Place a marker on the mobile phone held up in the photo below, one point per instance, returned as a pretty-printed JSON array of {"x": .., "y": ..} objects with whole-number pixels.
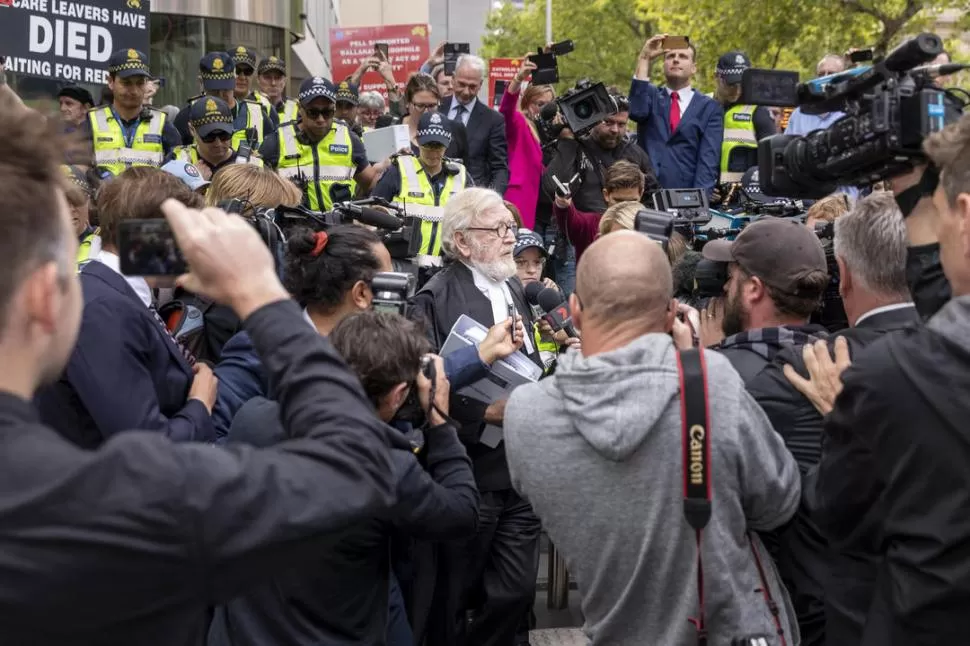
[
  {"x": 452, "y": 52},
  {"x": 676, "y": 42},
  {"x": 148, "y": 248},
  {"x": 381, "y": 51}
]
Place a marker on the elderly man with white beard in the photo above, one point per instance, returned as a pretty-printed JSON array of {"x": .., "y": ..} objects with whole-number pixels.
[{"x": 493, "y": 573}]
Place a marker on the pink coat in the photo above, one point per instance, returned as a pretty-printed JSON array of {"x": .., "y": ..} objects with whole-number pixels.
[{"x": 525, "y": 161}]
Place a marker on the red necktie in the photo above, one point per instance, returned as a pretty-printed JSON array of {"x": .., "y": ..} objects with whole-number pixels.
[{"x": 674, "y": 111}]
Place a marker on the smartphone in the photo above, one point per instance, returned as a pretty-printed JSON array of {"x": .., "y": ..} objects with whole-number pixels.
[
  {"x": 500, "y": 87},
  {"x": 547, "y": 69},
  {"x": 861, "y": 56},
  {"x": 380, "y": 50},
  {"x": 452, "y": 52},
  {"x": 562, "y": 48},
  {"x": 676, "y": 42},
  {"x": 148, "y": 248}
]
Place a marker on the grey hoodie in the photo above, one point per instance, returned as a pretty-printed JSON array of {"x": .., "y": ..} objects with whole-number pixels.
[{"x": 596, "y": 449}]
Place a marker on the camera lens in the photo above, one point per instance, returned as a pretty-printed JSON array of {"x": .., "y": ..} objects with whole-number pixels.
[{"x": 584, "y": 109}]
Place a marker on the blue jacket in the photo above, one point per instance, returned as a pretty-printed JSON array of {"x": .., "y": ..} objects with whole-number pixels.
[
  {"x": 242, "y": 377},
  {"x": 691, "y": 156},
  {"x": 125, "y": 372}
]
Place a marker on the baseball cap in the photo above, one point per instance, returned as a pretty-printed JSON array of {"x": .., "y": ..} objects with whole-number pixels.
[
  {"x": 217, "y": 71},
  {"x": 527, "y": 239},
  {"x": 186, "y": 172},
  {"x": 316, "y": 87},
  {"x": 242, "y": 55},
  {"x": 271, "y": 64},
  {"x": 434, "y": 128},
  {"x": 751, "y": 184},
  {"x": 731, "y": 66},
  {"x": 209, "y": 114},
  {"x": 348, "y": 92},
  {"x": 77, "y": 93},
  {"x": 779, "y": 251},
  {"x": 125, "y": 63}
]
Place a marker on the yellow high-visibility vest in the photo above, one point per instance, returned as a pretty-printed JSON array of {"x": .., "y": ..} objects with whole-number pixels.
[
  {"x": 739, "y": 139},
  {"x": 418, "y": 199},
  {"x": 254, "y": 119},
  {"x": 113, "y": 153},
  {"x": 190, "y": 155},
  {"x": 329, "y": 162}
]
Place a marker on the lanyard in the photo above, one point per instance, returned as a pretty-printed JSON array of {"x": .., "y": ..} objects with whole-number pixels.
[{"x": 128, "y": 132}]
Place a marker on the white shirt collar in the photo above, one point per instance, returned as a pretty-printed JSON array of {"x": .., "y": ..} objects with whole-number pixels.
[
  {"x": 500, "y": 296},
  {"x": 137, "y": 283},
  {"x": 469, "y": 107},
  {"x": 683, "y": 92},
  {"x": 880, "y": 310}
]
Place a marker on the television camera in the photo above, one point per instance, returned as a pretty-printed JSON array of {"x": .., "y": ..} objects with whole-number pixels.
[
  {"x": 581, "y": 107},
  {"x": 890, "y": 107}
]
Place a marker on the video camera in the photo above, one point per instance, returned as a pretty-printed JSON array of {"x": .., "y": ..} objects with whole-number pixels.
[
  {"x": 392, "y": 290},
  {"x": 582, "y": 107},
  {"x": 890, "y": 108}
]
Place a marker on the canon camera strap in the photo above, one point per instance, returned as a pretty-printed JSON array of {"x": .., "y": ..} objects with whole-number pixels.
[{"x": 697, "y": 460}]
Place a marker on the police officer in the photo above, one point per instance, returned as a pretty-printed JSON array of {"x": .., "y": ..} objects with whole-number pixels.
[
  {"x": 424, "y": 184},
  {"x": 128, "y": 133},
  {"x": 347, "y": 99},
  {"x": 217, "y": 76},
  {"x": 245, "y": 61},
  {"x": 744, "y": 125},
  {"x": 210, "y": 121},
  {"x": 271, "y": 75},
  {"x": 530, "y": 259},
  {"x": 318, "y": 152}
]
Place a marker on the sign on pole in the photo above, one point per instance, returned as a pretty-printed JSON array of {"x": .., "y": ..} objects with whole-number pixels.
[
  {"x": 70, "y": 41},
  {"x": 407, "y": 50},
  {"x": 503, "y": 70}
]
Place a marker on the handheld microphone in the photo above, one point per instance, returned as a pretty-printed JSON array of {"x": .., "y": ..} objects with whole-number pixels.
[
  {"x": 936, "y": 71},
  {"x": 532, "y": 291},
  {"x": 557, "y": 314}
]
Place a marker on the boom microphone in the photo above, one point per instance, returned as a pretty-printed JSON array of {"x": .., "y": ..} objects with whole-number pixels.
[
  {"x": 936, "y": 71},
  {"x": 376, "y": 218},
  {"x": 557, "y": 314}
]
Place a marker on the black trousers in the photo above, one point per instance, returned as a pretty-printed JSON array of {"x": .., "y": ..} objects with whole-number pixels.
[{"x": 493, "y": 574}]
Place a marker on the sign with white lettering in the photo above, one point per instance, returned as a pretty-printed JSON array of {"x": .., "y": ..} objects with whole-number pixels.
[
  {"x": 407, "y": 48},
  {"x": 70, "y": 41}
]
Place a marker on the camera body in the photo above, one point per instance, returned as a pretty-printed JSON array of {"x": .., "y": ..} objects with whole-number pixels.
[
  {"x": 582, "y": 107},
  {"x": 392, "y": 290},
  {"x": 890, "y": 108},
  {"x": 656, "y": 225}
]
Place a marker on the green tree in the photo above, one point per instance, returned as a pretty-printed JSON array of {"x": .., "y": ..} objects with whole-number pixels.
[{"x": 608, "y": 36}]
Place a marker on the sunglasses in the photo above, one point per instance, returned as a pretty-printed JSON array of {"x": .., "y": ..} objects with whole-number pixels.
[
  {"x": 244, "y": 71},
  {"x": 316, "y": 113},
  {"x": 221, "y": 136}
]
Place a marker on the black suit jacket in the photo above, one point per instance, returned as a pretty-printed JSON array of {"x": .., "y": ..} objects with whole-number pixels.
[
  {"x": 125, "y": 372},
  {"x": 488, "y": 155},
  {"x": 449, "y": 294}
]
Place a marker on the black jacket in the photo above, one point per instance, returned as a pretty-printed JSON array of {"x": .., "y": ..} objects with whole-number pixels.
[
  {"x": 894, "y": 480},
  {"x": 340, "y": 595},
  {"x": 486, "y": 152},
  {"x": 129, "y": 544},
  {"x": 449, "y": 294},
  {"x": 823, "y": 595}
]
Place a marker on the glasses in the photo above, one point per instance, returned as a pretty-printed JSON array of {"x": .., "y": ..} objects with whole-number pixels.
[
  {"x": 530, "y": 264},
  {"x": 425, "y": 107},
  {"x": 316, "y": 113},
  {"x": 221, "y": 136},
  {"x": 244, "y": 71},
  {"x": 501, "y": 230}
]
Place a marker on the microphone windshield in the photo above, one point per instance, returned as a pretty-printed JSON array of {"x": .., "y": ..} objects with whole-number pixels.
[
  {"x": 378, "y": 218},
  {"x": 532, "y": 291},
  {"x": 549, "y": 299},
  {"x": 549, "y": 110}
]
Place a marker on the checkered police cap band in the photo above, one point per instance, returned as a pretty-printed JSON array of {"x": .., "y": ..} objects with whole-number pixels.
[
  {"x": 217, "y": 76},
  {"x": 434, "y": 131},
  {"x": 729, "y": 71},
  {"x": 129, "y": 65},
  {"x": 211, "y": 117},
  {"x": 315, "y": 91}
]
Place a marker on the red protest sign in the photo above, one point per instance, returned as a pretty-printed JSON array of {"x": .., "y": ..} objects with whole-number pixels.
[
  {"x": 407, "y": 50},
  {"x": 500, "y": 69}
]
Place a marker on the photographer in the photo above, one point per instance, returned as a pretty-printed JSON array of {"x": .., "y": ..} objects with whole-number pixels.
[
  {"x": 598, "y": 452},
  {"x": 874, "y": 494},
  {"x": 590, "y": 158},
  {"x": 343, "y": 596},
  {"x": 132, "y": 541}
]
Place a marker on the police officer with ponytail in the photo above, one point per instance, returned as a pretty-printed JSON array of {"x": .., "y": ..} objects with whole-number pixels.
[{"x": 423, "y": 184}]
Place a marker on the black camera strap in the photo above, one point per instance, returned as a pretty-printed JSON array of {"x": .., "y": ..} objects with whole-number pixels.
[{"x": 695, "y": 416}]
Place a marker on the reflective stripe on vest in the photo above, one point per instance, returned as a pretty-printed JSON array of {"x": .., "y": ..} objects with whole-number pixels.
[
  {"x": 86, "y": 248},
  {"x": 548, "y": 350},
  {"x": 290, "y": 111},
  {"x": 111, "y": 152},
  {"x": 739, "y": 134},
  {"x": 254, "y": 119},
  {"x": 418, "y": 199},
  {"x": 190, "y": 155},
  {"x": 329, "y": 162}
]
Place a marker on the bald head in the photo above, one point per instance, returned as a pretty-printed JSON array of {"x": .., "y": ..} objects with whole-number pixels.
[{"x": 624, "y": 277}]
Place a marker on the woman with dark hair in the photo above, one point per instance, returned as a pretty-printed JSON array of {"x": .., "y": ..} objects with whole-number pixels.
[{"x": 421, "y": 95}]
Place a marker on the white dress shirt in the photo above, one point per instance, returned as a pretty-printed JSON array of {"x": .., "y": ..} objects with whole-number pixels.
[
  {"x": 137, "y": 283},
  {"x": 499, "y": 295},
  {"x": 685, "y": 94},
  {"x": 453, "y": 110}
]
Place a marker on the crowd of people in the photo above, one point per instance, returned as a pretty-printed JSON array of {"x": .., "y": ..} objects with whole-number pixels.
[{"x": 251, "y": 453}]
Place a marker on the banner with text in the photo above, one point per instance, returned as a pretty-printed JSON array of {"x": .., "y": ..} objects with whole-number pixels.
[
  {"x": 407, "y": 48},
  {"x": 504, "y": 70},
  {"x": 70, "y": 41}
]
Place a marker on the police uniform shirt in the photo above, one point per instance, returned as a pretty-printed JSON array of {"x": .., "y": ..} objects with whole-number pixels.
[
  {"x": 270, "y": 150},
  {"x": 764, "y": 124},
  {"x": 170, "y": 134},
  {"x": 389, "y": 186}
]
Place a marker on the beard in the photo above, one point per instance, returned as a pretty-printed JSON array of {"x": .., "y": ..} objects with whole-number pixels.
[
  {"x": 498, "y": 269},
  {"x": 734, "y": 318}
]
